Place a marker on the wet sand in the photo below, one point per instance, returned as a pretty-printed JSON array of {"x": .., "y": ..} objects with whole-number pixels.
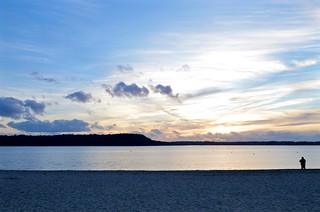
[{"x": 265, "y": 190}]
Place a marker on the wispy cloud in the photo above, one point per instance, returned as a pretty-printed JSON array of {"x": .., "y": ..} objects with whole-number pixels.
[
  {"x": 184, "y": 68},
  {"x": 125, "y": 68},
  {"x": 301, "y": 119},
  {"x": 40, "y": 77},
  {"x": 305, "y": 63},
  {"x": 21, "y": 46},
  {"x": 202, "y": 92}
]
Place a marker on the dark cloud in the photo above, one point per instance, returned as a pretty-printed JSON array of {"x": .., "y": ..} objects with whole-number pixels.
[
  {"x": 164, "y": 90},
  {"x": 17, "y": 109},
  {"x": 42, "y": 78},
  {"x": 126, "y": 68},
  {"x": 96, "y": 125},
  {"x": 80, "y": 96},
  {"x": 13, "y": 108},
  {"x": 56, "y": 126},
  {"x": 123, "y": 90},
  {"x": 37, "y": 108}
]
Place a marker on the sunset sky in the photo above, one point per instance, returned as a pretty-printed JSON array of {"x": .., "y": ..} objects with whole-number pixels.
[{"x": 170, "y": 69}]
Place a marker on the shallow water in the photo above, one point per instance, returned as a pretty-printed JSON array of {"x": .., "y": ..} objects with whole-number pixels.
[{"x": 158, "y": 158}]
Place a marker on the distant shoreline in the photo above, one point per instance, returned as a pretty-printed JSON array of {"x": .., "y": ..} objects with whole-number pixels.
[{"x": 121, "y": 140}]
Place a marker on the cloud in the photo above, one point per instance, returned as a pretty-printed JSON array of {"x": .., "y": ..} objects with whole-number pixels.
[
  {"x": 202, "y": 92},
  {"x": 97, "y": 126},
  {"x": 305, "y": 63},
  {"x": 123, "y": 90},
  {"x": 155, "y": 134},
  {"x": 56, "y": 126},
  {"x": 184, "y": 68},
  {"x": 17, "y": 109},
  {"x": 176, "y": 133},
  {"x": 126, "y": 68},
  {"x": 306, "y": 119},
  {"x": 37, "y": 108},
  {"x": 156, "y": 131},
  {"x": 36, "y": 75},
  {"x": 254, "y": 135},
  {"x": 2, "y": 126},
  {"x": 80, "y": 96},
  {"x": 164, "y": 90},
  {"x": 271, "y": 136}
]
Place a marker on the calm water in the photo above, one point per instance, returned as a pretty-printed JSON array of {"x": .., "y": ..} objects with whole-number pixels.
[{"x": 158, "y": 158}]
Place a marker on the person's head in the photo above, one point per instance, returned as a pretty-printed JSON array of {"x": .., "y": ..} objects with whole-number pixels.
[{"x": 302, "y": 157}]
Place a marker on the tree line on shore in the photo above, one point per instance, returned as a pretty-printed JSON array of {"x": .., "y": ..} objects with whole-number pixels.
[{"x": 125, "y": 139}]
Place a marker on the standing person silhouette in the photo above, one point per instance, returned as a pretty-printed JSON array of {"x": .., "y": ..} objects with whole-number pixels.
[{"x": 303, "y": 163}]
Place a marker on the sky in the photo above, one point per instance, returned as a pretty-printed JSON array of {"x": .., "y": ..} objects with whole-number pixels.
[{"x": 173, "y": 70}]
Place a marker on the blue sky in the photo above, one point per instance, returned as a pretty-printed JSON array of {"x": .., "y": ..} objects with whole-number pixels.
[{"x": 172, "y": 70}]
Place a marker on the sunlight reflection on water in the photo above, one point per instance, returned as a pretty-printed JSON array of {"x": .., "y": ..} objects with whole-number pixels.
[{"x": 158, "y": 158}]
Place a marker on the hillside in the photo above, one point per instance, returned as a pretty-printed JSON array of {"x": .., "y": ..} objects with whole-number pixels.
[{"x": 78, "y": 140}]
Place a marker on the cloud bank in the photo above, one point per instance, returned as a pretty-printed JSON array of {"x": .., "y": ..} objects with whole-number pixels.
[
  {"x": 80, "y": 96},
  {"x": 17, "y": 109},
  {"x": 123, "y": 90},
  {"x": 255, "y": 135},
  {"x": 56, "y": 126}
]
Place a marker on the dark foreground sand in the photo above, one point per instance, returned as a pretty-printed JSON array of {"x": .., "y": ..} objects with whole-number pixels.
[{"x": 277, "y": 190}]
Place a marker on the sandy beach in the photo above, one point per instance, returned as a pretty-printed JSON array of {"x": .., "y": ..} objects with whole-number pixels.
[{"x": 270, "y": 190}]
